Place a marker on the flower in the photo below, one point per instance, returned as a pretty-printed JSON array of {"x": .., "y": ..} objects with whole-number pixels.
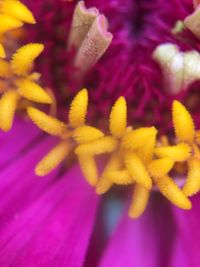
[{"x": 54, "y": 220}]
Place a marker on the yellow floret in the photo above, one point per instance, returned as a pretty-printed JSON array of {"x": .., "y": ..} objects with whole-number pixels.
[
  {"x": 23, "y": 59},
  {"x": 8, "y": 23},
  {"x": 85, "y": 134},
  {"x": 17, "y": 10},
  {"x": 120, "y": 177},
  {"x": 4, "y": 69},
  {"x": 139, "y": 201},
  {"x": 183, "y": 123},
  {"x": 104, "y": 183},
  {"x": 103, "y": 145},
  {"x": 146, "y": 152},
  {"x": 53, "y": 159},
  {"x": 180, "y": 152},
  {"x": 8, "y": 104},
  {"x": 138, "y": 138},
  {"x": 118, "y": 117},
  {"x": 46, "y": 122},
  {"x": 2, "y": 51},
  {"x": 192, "y": 184},
  {"x": 172, "y": 192},
  {"x": 32, "y": 91},
  {"x": 160, "y": 167},
  {"x": 78, "y": 109},
  {"x": 137, "y": 170},
  {"x": 89, "y": 169}
]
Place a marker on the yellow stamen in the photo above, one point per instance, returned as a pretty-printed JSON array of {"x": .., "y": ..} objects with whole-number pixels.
[
  {"x": 160, "y": 167},
  {"x": 24, "y": 57},
  {"x": 164, "y": 140},
  {"x": 8, "y": 104},
  {"x": 46, "y": 122},
  {"x": 180, "y": 152},
  {"x": 146, "y": 152},
  {"x": 172, "y": 192},
  {"x": 53, "y": 107},
  {"x": 192, "y": 185},
  {"x": 8, "y": 23},
  {"x": 183, "y": 123},
  {"x": 118, "y": 117},
  {"x": 53, "y": 159},
  {"x": 138, "y": 138},
  {"x": 197, "y": 137},
  {"x": 137, "y": 170},
  {"x": 139, "y": 201},
  {"x": 103, "y": 145},
  {"x": 89, "y": 169},
  {"x": 78, "y": 109},
  {"x": 32, "y": 91},
  {"x": 85, "y": 134},
  {"x": 2, "y": 51},
  {"x": 4, "y": 69},
  {"x": 35, "y": 76},
  {"x": 180, "y": 168},
  {"x": 104, "y": 184},
  {"x": 196, "y": 151},
  {"x": 16, "y": 10},
  {"x": 121, "y": 177}
]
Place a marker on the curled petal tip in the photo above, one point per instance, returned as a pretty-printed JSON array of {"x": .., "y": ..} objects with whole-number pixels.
[{"x": 103, "y": 27}]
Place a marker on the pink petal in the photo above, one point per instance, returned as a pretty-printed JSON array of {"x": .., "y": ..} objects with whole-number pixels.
[
  {"x": 180, "y": 254},
  {"x": 55, "y": 229},
  {"x": 147, "y": 241},
  {"x": 188, "y": 223},
  {"x": 19, "y": 185},
  {"x": 20, "y": 136}
]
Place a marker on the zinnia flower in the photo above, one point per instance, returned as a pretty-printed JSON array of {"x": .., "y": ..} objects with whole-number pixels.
[{"x": 99, "y": 97}]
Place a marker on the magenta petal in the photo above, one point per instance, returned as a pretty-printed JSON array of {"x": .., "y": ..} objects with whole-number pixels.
[
  {"x": 179, "y": 254},
  {"x": 55, "y": 229},
  {"x": 131, "y": 241},
  {"x": 19, "y": 185},
  {"x": 147, "y": 241},
  {"x": 17, "y": 139},
  {"x": 188, "y": 223}
]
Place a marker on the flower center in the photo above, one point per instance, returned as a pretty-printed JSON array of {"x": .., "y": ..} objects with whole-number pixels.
[
  {"x": 138, "y": 27},
  {"x": 137, "y": 19}
]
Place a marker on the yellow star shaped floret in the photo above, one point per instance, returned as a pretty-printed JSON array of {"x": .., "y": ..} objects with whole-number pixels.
[
  {"x": 143, "y": 162},
  {"x": 13, "y": 14},
  {"x": 17, "y": 82},
  {"x": 122, "y": 138},
  {"x": 76, "y": 130},
  {"x": 2, "y": 51},
  {"x": 187, "y": 148}
]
